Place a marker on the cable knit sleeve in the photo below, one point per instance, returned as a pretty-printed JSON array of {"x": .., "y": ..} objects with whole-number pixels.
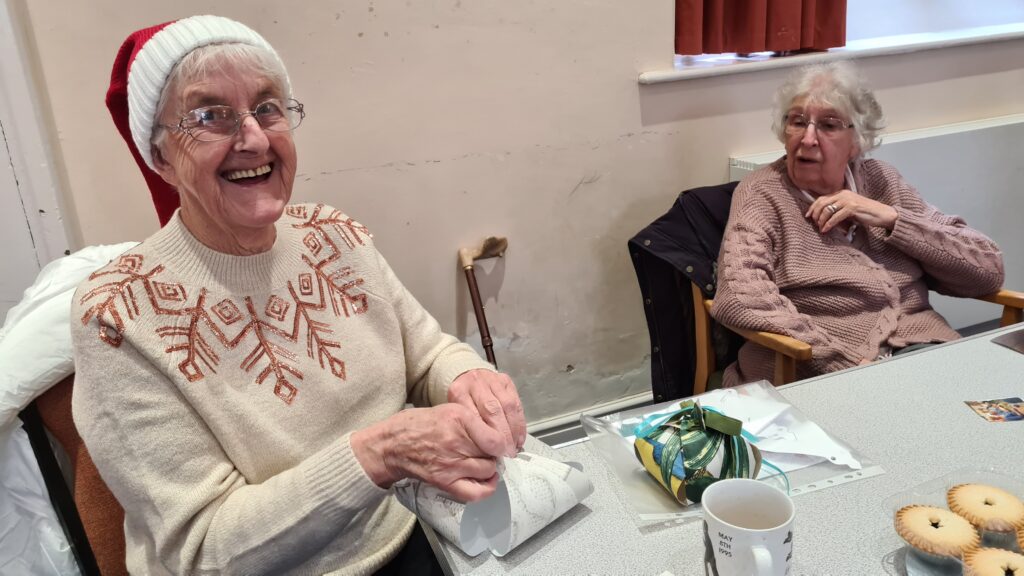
[
  {"x": 185, "y": 502},
  {"x": 433, "y": 359},
  {"x": 748, "y": 296},
  {"x": 959, "y": 261}
]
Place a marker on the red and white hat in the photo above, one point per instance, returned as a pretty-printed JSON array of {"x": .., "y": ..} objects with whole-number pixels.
[{"x": 140, "y": 72}]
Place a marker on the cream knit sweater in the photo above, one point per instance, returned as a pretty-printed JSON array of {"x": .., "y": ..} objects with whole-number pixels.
[
  {"x": 777, "y": 273},
  {"x": 217, "y": 393}
]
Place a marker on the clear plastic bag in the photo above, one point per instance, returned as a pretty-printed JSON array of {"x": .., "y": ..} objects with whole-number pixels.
[
  {"x": 31, "y": 538},
  {"x": 611, "y": 437}
]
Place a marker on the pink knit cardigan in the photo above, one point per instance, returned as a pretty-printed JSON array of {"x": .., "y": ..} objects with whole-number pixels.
[{"x": 777, "y": 273}]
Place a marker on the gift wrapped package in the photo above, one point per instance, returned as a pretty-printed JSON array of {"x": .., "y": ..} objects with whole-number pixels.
[{"x": 688, "y": 450}]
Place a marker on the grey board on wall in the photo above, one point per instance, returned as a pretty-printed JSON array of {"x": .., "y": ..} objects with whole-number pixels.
[{"x": 972, "y": 169}]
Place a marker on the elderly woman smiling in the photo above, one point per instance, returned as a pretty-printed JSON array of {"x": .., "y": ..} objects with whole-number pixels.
[
  {"x": 242, "y": 373},
  {"x": 837, "y": 250}
]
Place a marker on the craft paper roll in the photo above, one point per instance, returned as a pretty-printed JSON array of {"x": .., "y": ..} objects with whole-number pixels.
[
  {"x": 532, "y": 492},
  {"x": 441, "y": 511}
]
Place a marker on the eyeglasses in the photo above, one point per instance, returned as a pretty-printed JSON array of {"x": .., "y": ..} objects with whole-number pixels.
[
  {"x": 797, "y": 124},
  {"x": 214, "y": 123}
]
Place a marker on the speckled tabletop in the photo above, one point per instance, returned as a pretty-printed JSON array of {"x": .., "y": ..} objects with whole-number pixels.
[{"x": 906, "y": 414}]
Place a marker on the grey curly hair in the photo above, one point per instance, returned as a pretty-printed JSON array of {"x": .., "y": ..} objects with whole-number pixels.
[{"x": 837, "y": 85}]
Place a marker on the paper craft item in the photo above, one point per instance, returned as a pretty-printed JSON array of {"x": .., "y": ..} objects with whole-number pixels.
[
  {"x": 1001, "y": 410},
  {"x": 688, "y": 450},
  {"x": 532, "y": 492}
]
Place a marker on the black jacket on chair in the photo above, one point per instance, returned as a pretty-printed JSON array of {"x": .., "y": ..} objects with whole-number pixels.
[{"x": 677, "y": 248}]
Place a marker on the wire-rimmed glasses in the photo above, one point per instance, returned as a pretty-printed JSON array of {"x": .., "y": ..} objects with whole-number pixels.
[
  {"x": 214, "y": 123},
  {"x": 796, "y": 124}
]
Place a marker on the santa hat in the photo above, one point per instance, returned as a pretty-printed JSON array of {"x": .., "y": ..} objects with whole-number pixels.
[{"x": 140, "y": 72}]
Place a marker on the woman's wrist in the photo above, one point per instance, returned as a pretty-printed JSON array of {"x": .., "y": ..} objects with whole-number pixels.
[
  {"x": 368, "y": 446},
  {"x": 895, "y": 215}
]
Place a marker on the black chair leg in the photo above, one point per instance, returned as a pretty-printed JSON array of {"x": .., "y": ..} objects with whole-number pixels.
[{"x": 60, "y": 495}]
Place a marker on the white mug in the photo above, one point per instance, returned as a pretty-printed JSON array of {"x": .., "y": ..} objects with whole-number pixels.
[{"x": 748, "y": 529}]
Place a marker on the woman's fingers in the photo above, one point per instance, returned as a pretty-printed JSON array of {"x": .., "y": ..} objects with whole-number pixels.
[
  {"x": 500, "y": 407},
  {"x": 514, "y": 413},
  {"x": 834, "y": 216},
  {"x": 829, "y": 211},
  {"x": 494, "y": 397},
  {"x": 453, "y": 446},
  {"x": 829, "y": 215},
  {"x": 472, "y": 490},
  {"x": 493, "y": 413},
  {"x": 448, "y": 446},
  {"x": 484, "y": 437},
  {"x": 480, "y": 469}
]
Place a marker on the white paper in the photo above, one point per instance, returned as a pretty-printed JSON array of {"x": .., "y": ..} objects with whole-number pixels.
[
  {"x": 532, "y": 492},
  {"x": 782, "y": 437},
  {"x": 441, "y": 511}
]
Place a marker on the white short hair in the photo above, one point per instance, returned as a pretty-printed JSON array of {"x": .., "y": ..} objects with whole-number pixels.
[{"x": 837, "y": 85}]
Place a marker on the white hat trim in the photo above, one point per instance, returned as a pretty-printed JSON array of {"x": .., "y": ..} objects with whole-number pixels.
[{"x": 154, "y": 62}]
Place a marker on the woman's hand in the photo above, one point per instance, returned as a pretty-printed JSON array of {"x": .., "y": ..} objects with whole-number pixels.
[
  {"x": 829, "y": 211},
  {"x": 494, "y": 397},
  {"x": 448, "y": 446}
]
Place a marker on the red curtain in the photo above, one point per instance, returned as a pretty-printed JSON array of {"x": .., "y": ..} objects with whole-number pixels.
[{"x": 744, "y": 26}]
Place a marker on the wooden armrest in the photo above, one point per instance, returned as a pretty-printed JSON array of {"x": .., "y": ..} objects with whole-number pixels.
[
  {"x": 785, "y": 345},
  {"x": 1005, "y": 297},
  {"x": 1013, "y": 305}
]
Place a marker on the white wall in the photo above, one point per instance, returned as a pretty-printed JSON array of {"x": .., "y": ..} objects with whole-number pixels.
[
  {"x": 31, "y": 228},
  {"x": 873, "y": 18},
  {"x": 437, "y": 123},
  {"x": 19, "y": 261}
]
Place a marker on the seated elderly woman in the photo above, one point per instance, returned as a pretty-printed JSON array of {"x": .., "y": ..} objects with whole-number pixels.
[
  {"x": 242, "y": 373},
  {"x": 837, "y": 250}
]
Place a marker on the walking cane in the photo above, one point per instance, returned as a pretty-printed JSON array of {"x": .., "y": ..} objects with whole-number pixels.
[{"x": 491, "y": 247}]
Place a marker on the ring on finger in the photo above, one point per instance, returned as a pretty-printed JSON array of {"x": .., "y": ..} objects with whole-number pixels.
[{"x": 832, "y": 208}]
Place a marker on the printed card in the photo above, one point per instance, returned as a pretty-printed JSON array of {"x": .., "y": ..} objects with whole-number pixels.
[{"x": 1001, "y": 410}]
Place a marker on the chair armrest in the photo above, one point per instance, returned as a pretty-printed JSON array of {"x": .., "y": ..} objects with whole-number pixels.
[
  {"x": 1005, "y": 297},
  {"x": 785, "y": 345}
]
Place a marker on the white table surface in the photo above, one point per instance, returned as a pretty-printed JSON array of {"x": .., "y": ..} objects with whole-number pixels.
[{"x": 906, "y": 414}]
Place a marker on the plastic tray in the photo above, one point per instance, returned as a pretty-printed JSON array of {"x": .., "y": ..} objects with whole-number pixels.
[{"x": 901, "y": 559}]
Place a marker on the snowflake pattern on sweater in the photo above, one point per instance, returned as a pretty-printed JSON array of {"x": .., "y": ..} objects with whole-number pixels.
[{"x": 199, "y": 326}]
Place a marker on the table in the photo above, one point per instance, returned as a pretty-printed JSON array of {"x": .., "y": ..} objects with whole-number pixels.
[{"x": 906, "y": 414}]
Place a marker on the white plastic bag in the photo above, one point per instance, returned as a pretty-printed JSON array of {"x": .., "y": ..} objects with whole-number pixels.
[{"x": 31, "y": 538}]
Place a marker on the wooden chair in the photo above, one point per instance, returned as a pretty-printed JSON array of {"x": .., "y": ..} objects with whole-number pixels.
[
  {"x": 675, "y": 260},
  {"x": 92, "y": 518},
  {"x": 788, "y": 351}
]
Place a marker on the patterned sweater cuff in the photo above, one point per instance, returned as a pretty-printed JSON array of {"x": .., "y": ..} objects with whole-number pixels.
[
  {"x": 907, "y": 231},
  {"x": 337, "y": 480}
]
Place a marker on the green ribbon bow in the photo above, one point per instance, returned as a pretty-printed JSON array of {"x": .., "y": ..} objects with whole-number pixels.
[{"x": 697, "y": 435}]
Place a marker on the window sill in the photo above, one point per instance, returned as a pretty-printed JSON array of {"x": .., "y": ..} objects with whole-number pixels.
[{"x": 688, "y": 67}]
